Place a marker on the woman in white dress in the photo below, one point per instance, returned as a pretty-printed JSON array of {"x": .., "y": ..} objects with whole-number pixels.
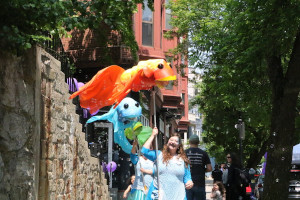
[{"x": 174, "y": 171}]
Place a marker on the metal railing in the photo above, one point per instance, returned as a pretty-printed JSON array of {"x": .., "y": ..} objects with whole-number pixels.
[{"x": 55, "y": 48}]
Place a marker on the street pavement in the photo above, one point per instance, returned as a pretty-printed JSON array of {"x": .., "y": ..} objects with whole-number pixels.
[{"x": 208, "y": 186}]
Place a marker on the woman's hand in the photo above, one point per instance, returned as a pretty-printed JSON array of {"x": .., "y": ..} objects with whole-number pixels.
[
  {"x": 154, "y": 131},
  {"x": 124, "y": 196},
  {"x": 135, "y": 142},
  {"x": 189, "y": 185}
]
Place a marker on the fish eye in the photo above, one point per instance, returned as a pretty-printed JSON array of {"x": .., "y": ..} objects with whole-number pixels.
[
  {"x": 126, "y": 105},
  {"x": 137, "y": 104},
  {"x": 160, "y": 66}
]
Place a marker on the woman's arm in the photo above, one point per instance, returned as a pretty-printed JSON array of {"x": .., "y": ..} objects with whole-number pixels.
[
  {"x": 147, "y": 171},
  {"x": 133, "y": 156},
  {"x": 134, "y": 145},
  {"x": 187, "y": 178},
  {"x": 150, "y": 154}
]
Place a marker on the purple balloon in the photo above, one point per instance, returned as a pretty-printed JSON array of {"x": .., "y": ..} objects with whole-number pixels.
[
  {"x": 111, "y": 166},
  {"x": 80, "y": 84}
]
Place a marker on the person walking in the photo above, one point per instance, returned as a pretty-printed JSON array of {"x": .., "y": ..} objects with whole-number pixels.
[
  {"x": 217, "y": 174},
  {"x": 234, "y": 191},
  {"x": 144, "y": 171},
  {"x": 200, "y": 163},
  {"x": 174, "y": 172},
  {"x": 252, "y": 182}
]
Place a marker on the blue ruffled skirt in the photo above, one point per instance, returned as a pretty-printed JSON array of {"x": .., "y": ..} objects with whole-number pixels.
[{"x": 136, "y": 195}]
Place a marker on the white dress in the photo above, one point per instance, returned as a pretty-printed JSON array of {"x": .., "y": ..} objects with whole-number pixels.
[{"x": 172, "y": 178}]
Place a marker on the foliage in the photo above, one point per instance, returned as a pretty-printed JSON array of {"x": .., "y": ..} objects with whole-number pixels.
[
  {"x": 26, "y": 22},
  {"x": 227, "y": 92},
  {"x": 249, "y": 51}
]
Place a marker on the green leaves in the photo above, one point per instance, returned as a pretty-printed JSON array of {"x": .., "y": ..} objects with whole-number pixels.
[
  {"x": 231, "y": 41},
  {"x": 26, "y": 21}
]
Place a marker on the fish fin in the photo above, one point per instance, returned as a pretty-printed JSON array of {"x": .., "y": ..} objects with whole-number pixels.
[{"x": 97, "y": 93}]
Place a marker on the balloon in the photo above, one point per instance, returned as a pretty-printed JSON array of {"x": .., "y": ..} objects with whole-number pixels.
[{"x": 111, "y": 166}]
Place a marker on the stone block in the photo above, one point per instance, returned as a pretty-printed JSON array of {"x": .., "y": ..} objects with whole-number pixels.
[
  {"x": 25, "y": 96},
  {"x": 52, "y": 150},
  {"x": 52, "y": 75},
  {"x": 60, "y": 186},
  {"x": 50, "y": 175},
  {"x": 8, "y": 86},
  {"x": 81, "y": 193},
  {"x": 58, "y": 85},
  {"x": 52, "y": 187},
  {"x": 15, "y": 135}
]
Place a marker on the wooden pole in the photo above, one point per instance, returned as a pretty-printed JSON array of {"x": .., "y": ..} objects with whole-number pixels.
[{"x": 156, "y": 142}]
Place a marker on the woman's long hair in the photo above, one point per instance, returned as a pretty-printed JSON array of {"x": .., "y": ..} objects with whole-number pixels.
[
  {"x": 180, "y": 152},
  {"x": 235, "y": 160}
]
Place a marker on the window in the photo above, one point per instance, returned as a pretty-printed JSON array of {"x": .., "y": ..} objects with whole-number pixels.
[
  {"x": 147, "y": 26},
  {"x": 167, "y": 16},
  {"x": 183, "y": 98}
]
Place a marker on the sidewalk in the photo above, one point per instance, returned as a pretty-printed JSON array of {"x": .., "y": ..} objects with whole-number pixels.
[{"x": 208, "y": 186}]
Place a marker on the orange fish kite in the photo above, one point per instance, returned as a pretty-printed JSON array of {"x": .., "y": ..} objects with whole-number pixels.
[{"x": 111, "y": 84}]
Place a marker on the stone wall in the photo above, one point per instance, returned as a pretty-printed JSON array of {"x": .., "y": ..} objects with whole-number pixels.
[{"x": 43, "y": 153}]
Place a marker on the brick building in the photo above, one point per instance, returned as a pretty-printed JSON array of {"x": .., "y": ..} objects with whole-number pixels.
[{"x": 86, "y": 50}]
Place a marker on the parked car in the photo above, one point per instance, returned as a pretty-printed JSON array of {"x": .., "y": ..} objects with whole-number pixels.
[
  {"x": 259, "y": 187},
  {"x": 294, "y": 187}
]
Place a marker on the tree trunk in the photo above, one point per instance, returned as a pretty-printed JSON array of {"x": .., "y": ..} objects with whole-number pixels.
[
  {"x": 285, "y": 95},
  {"x": 280, "y": 149}
]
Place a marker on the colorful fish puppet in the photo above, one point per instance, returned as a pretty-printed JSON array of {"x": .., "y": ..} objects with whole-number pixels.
[
  {"x": 111, "y": 84},
  {"x": 122, "y": 117}
]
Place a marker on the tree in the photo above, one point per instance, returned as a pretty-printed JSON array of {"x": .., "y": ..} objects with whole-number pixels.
[
  {"x": 251, "y": 43},
  {"x": 26, "y": 22},
  {"x": 223, "y": 100}
]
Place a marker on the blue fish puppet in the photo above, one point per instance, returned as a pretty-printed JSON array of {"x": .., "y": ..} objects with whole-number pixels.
[{"x": 122, "y": 117}]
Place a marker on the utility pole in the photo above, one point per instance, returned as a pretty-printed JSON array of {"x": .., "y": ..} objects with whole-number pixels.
[{"x": 241, "y": 127}]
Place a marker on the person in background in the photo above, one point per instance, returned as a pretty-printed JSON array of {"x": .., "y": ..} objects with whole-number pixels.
[
  {"x": 252, "y": 181},
  {"x": 132, "y": 178},
  {"x": 200, "y": 163},
  {"x": 218, "y": 191},
  {"x": 144, "y": 171},
  {"x": 233, "y": 190},
  {"x": 173, "y": 169},
  {"x": 217, "y": 174},
  {"x": 225, "y": 173}
]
